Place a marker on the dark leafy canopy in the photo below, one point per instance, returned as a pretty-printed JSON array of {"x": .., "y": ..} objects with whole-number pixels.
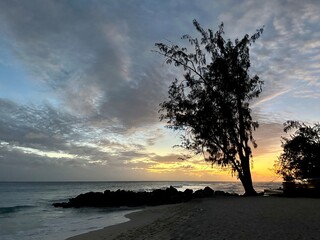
[
  {"x": 211, "y": 103},
  {"x": 301, "y": 152}
]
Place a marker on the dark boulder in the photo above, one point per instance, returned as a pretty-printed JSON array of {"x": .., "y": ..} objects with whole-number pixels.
[
  {"x": 208, "y": 192},
  {"x": 187, "y": 195},
  {"x": 219, "y": 193},
  {"x": 168, "y": 196},
  {"x": 90, "y": 199},
  {"x": 203, "y": 193},
  {"x": 198, "y": 194},
  {"x": 132, "y": 199}
]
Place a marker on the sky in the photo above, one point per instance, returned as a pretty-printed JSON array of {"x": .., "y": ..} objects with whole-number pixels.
[{"x": 80, "y": 86}]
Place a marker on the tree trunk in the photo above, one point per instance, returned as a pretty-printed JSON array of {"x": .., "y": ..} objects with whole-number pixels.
[
  {"x": 246, "y": 179},
  {"x": 248, "y": 187}
]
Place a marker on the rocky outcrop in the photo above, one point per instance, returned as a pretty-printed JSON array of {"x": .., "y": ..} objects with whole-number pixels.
[
  {"x": 202, "y": 193},
  {"x": 132, "y": 199}
]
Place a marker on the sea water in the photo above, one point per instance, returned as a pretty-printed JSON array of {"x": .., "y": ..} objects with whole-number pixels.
[{"x": 26, "y": 210}]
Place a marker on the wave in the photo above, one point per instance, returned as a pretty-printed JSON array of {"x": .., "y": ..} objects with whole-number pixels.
[{"x": 14, "y": 209}]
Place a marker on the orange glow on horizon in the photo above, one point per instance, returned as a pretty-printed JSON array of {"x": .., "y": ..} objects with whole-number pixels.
[{"x": 197, "y": 169}]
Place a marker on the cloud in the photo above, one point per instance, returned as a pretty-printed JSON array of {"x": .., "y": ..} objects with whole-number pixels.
[
  {"x": 47, "y": 135},
  {"x": 269, "y": 98},
  {"x": 100, "y": 65},
  {"x": 103, "y": 84},
  {"x": 91, "y": 58},
  {"x": 308, "y": 93}
]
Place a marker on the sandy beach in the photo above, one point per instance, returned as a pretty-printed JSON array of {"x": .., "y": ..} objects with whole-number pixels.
[{"x": 220, "y": 218}]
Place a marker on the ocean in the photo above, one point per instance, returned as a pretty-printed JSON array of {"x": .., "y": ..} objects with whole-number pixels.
[{"x": 26, "y": 210}]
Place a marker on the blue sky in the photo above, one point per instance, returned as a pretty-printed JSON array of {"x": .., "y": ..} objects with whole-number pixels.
[{"x": 80, "y": 85}]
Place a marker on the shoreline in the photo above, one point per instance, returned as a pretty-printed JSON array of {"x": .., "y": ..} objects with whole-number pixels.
[
  {"x": 137, "y": 219},
  {"x": 219, "y": 218}
]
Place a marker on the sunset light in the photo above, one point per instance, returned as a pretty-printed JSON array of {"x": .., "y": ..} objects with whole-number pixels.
[{"x": 81, "y": 85}]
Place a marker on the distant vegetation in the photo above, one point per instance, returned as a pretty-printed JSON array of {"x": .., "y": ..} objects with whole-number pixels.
[
  {"x": 210, "y": 104},
  {"x": 301, "y": 152}
]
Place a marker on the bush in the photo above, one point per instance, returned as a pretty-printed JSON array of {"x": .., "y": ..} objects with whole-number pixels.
[{"x": 301, "y": 152}]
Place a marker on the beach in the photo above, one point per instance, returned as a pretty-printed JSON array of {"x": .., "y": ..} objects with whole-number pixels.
[
  {"x": 220, "y": 218},
  {"x": 26, "y": 210}
]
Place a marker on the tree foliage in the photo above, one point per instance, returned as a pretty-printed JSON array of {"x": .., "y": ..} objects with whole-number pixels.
[
  {"x": 211, "y": 103},
  {"x": 301, "y": 152}
]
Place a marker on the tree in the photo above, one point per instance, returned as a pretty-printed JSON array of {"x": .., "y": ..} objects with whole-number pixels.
[
  {"x": 301, "y": 152},
  {"x": 211, "y": 104}
]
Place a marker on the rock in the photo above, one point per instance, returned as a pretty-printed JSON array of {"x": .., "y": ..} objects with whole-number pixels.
[
  {"x": 208, "y": 192},
  {"x": 219, "y": 193},
  {"x": 90, "y": 199},
  {"x": 202, "y": 193},
  {"x": 231, "y": 194},
  {"x": 132, "y": 199},
  {"x": 187, "y": 195},
  {"x": 169, "y": 196},
  {"x": 199, "y": 194}
]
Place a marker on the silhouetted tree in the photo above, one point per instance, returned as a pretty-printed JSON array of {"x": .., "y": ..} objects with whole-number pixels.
[
  {"x": 301, "y": 152},
  {"x": 211, "y": 104}
]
